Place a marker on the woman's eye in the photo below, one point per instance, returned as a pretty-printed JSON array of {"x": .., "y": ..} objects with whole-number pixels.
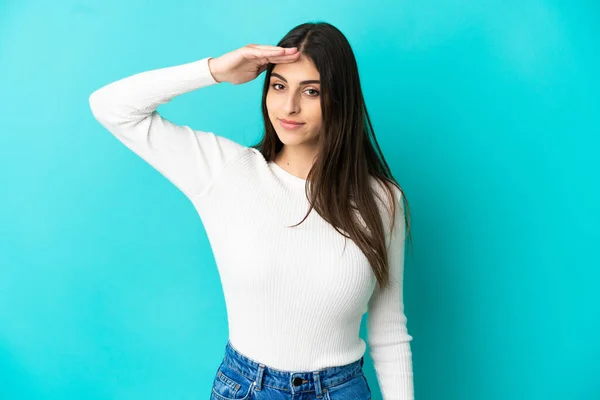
[{"x": 316, "y": 92}]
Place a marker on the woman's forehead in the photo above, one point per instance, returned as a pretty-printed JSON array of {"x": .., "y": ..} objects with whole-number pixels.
[{"x": 296, "y": 71}]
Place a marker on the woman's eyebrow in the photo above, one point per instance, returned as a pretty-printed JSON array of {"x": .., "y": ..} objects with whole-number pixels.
[{"x": 285, "y": 80}]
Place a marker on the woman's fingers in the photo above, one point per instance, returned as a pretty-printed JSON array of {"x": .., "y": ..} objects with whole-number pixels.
[
  {"x": 269, "y": 51},
  {"x": 291, "y": 56},
  {"x": 269, "y": 47},
  {"x": 282, "y": 58},
  {"x": 266, "y": 54},
  {"x": 265, "y": 47},
  {"x": 277, "y": 52},
  {"x": 265, "y": 58},
  {"x": 256, "y": 53}
]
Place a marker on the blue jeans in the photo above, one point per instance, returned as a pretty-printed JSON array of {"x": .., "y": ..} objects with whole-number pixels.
[{"x": 241, "y": 378}]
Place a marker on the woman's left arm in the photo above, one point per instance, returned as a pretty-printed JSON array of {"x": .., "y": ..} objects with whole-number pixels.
[{"x": 387, "y": 333}]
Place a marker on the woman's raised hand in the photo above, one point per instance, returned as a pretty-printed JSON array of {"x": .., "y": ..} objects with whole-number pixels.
[{"x": 246, "y": 63}]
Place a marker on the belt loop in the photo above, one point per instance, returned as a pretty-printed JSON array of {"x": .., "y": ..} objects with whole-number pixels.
[
  {"x": 259, "y": 376},
  {"x": 318, "y": 389}
]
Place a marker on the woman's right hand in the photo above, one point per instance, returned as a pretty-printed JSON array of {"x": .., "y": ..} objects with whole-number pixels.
[{"x": 246, "y": 63}]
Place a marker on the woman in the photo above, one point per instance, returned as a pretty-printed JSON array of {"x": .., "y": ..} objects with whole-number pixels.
[{"x": 295, "y": 292}]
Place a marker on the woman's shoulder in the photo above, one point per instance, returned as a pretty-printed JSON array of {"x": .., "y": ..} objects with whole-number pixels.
[{"x": 381, "y": 187}]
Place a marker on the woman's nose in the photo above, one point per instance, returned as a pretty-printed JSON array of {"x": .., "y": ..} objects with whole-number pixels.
[{"x": 292, "y": 104}]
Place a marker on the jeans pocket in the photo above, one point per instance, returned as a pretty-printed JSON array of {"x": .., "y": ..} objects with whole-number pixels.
[
  {"x": 229, "y": 384},
  {"x": 355, "y": 388},
  {"x": 366, "y": 383}
]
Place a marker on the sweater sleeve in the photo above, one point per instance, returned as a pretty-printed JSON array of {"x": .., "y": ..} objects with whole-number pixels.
[
  {"x": 190, "y": 159},
  {"x": 387, "y": 334}
]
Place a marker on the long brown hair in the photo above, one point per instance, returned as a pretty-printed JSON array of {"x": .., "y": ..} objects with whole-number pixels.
[{"x": 349, "y": 156}]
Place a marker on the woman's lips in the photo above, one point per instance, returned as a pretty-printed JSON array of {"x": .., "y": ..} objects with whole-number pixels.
[{"x": 290, "y": 126}]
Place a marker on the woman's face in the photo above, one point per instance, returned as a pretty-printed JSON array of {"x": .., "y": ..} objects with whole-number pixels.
[{"x": 291, "y": 98}]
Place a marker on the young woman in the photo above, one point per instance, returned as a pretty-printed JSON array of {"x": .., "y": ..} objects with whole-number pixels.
[{"x": 295, "y": 288}]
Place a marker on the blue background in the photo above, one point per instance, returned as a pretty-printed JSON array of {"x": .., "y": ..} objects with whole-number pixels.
[{"x": 487, "y": 112}]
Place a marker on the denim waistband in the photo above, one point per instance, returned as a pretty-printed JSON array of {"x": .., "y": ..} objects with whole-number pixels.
[{"x": 289, "y": 381}]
